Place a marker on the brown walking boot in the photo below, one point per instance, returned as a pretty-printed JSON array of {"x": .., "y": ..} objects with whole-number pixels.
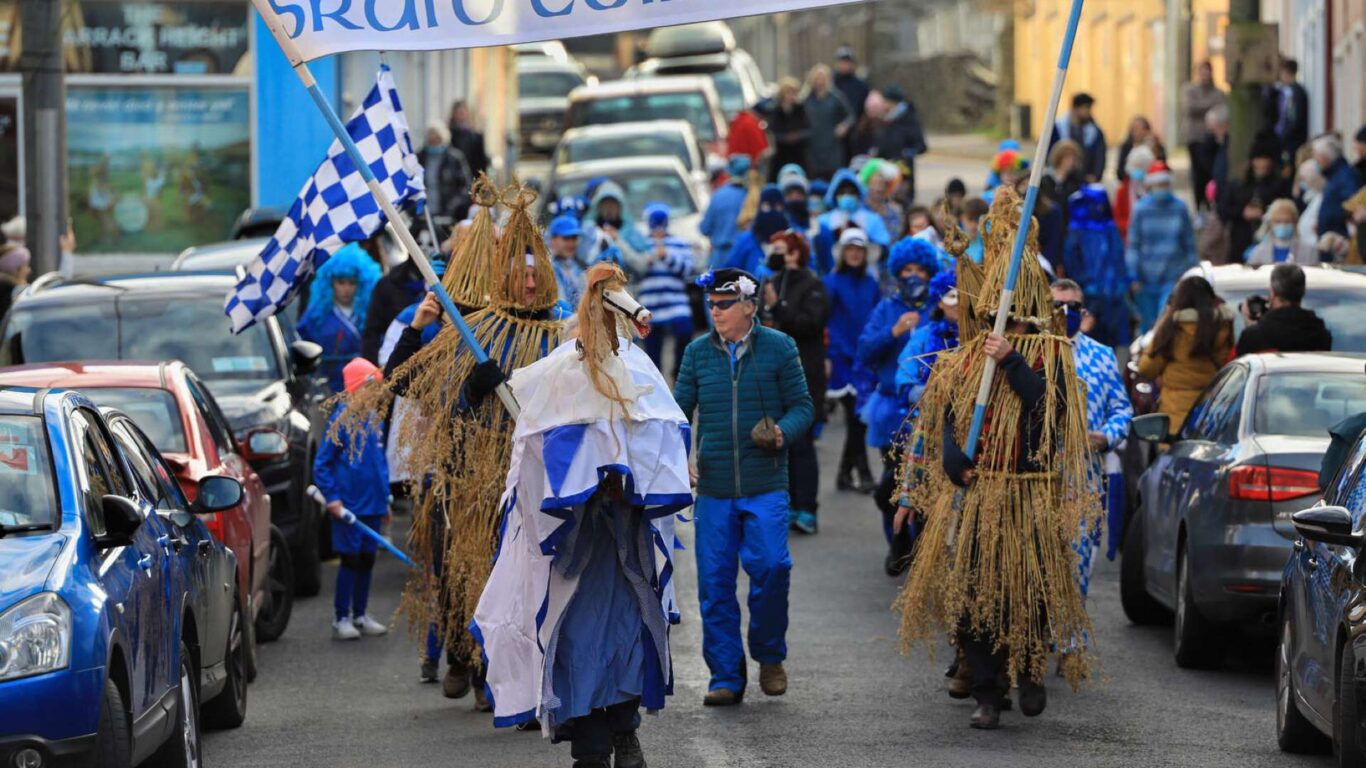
[
  {"x": 722, "y": 697},
  {"x": 960, "y": 685},
  {"x": 456, "y": 683},
  {"x": 773, "y": 679}
]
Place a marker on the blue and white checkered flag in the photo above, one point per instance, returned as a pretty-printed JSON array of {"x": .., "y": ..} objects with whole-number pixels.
[{"x": 334, "y": 208}]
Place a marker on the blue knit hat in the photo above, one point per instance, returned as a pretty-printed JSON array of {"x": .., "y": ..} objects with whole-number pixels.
[
  {"x": 910, "y": 250},
  {"x": 657, "y": 215}
]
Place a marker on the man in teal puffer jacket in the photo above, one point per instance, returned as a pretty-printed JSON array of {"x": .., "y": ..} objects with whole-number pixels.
[{"x": 746, "y": 384}]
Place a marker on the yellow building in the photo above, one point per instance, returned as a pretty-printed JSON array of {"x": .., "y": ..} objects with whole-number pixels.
[{"x": 1121, "y": 57}]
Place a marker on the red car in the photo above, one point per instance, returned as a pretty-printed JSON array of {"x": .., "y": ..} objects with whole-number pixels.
[{"x": 175, "y": 410}]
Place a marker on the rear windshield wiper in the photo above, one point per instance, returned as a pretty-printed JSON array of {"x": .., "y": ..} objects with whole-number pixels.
[{"x": 26, "y": 528}]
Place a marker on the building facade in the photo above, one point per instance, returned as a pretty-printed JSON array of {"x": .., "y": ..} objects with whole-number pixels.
[{"x": 1328, "y": 39}]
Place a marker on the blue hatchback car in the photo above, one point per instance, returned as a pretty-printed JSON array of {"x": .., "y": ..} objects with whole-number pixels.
[{"x": 117, "y": 612}]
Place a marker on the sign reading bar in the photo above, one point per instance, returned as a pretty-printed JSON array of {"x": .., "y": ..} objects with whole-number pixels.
[{"x": 323, "y": 27}]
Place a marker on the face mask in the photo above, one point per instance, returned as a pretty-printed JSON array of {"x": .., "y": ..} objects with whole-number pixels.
[
  {"x": 775, "y": 262},
  {"x": 1138, "y": 176},
  {"x": 914, "y": 291},
  {"x": 814, "y": 206},
  {"x": 614, "y": 222},
  {"x": 1283, "y": 232},
  {"x": 848, "y": 203},
  {"x": 1161, "y": 195},
  {"x": 1073, "y": 322}
]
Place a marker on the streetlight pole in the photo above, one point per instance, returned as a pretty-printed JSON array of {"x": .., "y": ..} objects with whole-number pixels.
[{"x": 44, "y": 97}]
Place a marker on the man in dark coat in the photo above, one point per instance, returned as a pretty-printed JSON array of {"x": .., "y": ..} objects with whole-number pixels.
[
  {"x": 467, "y": 139},
  {"x": 1285, "y": 326},
  {"x": 395, "y": 292},
  {"x": 1285, "y": 105},
  {"x": 795, "y": 303},
  {"x": 901, "y": 137},
  {"x": 1079, "y": 125},
  {"x": 1243, "y": 205},
  {"x": 853, "y": 88}
]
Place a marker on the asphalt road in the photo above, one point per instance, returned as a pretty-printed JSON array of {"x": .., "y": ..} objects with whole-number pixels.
[{"x": 854, "y": 700}]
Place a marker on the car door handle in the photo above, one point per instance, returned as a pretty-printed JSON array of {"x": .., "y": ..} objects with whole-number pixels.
[
  {"x": 171, "y": 542},
  {"x": 145, "y": 563}
]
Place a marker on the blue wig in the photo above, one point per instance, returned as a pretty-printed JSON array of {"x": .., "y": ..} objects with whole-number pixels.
[
  {"x": 1090, "y": 208},
  {"x": 351, "y": 261},
  {"x": 911, "y": 250},
  {"x": 940, "y": 285}
]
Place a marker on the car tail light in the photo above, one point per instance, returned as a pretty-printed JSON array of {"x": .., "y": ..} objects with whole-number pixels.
[
  {"x": 214, "y": 522},
  {"x": 1271, "y": 483}
]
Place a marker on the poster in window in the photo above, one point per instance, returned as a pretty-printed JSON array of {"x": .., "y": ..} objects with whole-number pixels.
[{"x": 156, "y": 170}]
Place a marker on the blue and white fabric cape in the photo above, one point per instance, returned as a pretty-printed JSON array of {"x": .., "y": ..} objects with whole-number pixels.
[{"x": 567, "y": 439}]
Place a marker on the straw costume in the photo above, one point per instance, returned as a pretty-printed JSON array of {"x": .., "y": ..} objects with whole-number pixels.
[
  {"x": 575, "y": 618},
  {"x": 995, "y": 562},
  {"x": 458, "y": 434}
]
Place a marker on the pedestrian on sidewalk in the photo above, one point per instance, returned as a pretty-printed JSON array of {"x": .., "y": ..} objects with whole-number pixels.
[
  {"x": 853, "y": 293},
  {"x": 15, "y": 268},
  {"x": 1141, "y": 134},
  {"x": 1341, "y": 183},
  {"x": 1309, "y": 184},
  {"x": 1197, "y": 99},
  {"x": 1242, "y": 205},
  {"x": 795, "y": 303},
  {"x": 664, "y": 290},
  {"x": 1285, "y": 104},
  {"x": 831, "y": 120},
  {"x": 796, "y": 189},
  {"x": 913, "y": 262},
  {"x": 790, "y": 127},
  {"x": 853, "y": 88},
  {"x": 1132, "y": 188},
  {"x": 1278, "y": 240},
  {"x": 746, "y": 385},
  {"x": 901, "y": 139},
  {"x": 1161, "y": 244},
  {"x": 720, "y": 224},
  {"x": 353, "y": 475},
  {"x": 1080, "y": 125}
]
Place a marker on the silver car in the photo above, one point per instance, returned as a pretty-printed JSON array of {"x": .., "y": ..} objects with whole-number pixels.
[
  {"x": 1212, "y": 532},
  {"x": 610, "y": 142},
  {"x": 691, "y": 98},
  {"x": 543, "y": 88}
]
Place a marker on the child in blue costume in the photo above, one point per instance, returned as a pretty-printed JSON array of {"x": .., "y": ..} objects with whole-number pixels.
[
  {"x": 357, "y": 481},
  {"x": 846, "y": 206},
  {"x": 913, "y": 262},
  {"x": 1094, "y": 258},
  {"x": 338, "y": 300},
  {"x": 853, "y": 293},
  {"x": 664, "y": 289}
]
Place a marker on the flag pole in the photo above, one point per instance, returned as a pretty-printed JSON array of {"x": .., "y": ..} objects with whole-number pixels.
[
  {"x": 296, "y": 61},
  {"x": 1026, "y": 218}
]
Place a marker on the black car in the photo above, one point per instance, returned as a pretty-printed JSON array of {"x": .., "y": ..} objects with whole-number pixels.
[
  {"x": 262, "y": 377},
  {"x": 1321, "y": 658}
]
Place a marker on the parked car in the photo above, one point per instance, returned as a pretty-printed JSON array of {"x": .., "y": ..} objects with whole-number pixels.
[
  {"x": 731, "y": 72},
  {"x": 623, "y": 140},
  {"x": 645, "y": 180},
  {"x": 262, "y": 378},
  {"x": 214, "y": 257},
  {"x": 180, "y": 416},
  {"x": 691, "y": 98},
  {"x": 115, "y": 631},
  {"x": 1213, "y": 529},
  {"x": 543, "y": 88},
  {"x": 1320, "y": 654},
  {"x": 255, "y": 223}
]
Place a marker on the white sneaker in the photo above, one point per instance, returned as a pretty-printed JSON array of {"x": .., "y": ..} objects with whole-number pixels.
[
  {"x": 343, "y": 629},
  {"x": 369, "y": 627}
]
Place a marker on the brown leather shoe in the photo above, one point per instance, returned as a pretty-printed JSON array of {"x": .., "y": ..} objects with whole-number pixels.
[
  {"x": 960, "y": 685},
  {"x": 722, "y": 697},
  {"x": 773, "y": 679},
  {"x": 456, "y": 683}
]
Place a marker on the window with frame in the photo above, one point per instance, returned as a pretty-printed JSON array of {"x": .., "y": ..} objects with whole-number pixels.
[
  {"x": 142, "y": 471},
  {"x": 1219, "y": 411},
  {"x": 1349, "y": 487},
  {"x": 102, "y": 473},
  {"x": 219, "y": 432}
]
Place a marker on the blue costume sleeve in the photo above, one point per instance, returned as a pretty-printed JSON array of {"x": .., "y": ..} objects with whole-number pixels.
[
  {"x": 329, "y": 462},
  {"x": 876, "y": 341},
  {"x": 908, "y": 362}
]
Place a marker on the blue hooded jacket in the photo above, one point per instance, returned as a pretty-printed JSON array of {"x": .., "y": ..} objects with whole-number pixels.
[
  {"x": 1094, "y": 252},
  {"x": 834, "y": 220},
  {"x": 719, "y": 223},
  {"x": 360, "y": 482}
]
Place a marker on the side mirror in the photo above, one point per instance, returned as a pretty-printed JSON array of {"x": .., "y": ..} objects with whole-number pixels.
[
  {"x": 305, "y": 356},
  {"x": 1330, "y": 525},
  {"x": 1153, "y": 427},
  {"x": 217, "y": 493},
  {"x": 264, "y": 444},
  {"x": 121, "y": 521}
]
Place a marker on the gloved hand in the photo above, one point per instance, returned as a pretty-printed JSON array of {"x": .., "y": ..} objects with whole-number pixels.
[{"x": 485, "y": 378}]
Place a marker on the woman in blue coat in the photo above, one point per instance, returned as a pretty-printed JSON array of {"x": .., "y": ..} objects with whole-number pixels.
[
  {"x": 852, "y": 293},
  {"x": 914, "y": 262},
  {"x": 337, "y": 304}
]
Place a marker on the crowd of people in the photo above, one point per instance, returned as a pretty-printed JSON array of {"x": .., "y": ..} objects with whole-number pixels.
[{"x": 828, "y": 289}]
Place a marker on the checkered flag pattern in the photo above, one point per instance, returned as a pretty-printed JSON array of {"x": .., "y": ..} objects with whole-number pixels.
[{"x": 334, "y": 208}]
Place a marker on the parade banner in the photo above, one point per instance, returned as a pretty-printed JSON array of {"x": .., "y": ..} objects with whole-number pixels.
[{"x": 319, "y": 29}]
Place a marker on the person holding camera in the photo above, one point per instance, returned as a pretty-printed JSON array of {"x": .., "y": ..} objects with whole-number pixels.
[
  {"x": 746, "y": 385},
  {"x": 1279, "y": 323}
]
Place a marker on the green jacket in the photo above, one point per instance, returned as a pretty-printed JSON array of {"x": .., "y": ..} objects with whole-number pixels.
[{"x": 765, "y": 380}]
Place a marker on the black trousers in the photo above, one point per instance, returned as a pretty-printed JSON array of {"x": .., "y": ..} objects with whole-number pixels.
[
  {"x": 803, "y": 474},
  {"x": 854, "y": 458},
  {"x": 886, "y": 504},
  {"x": 986, "y": 665},
  {"x": 1202, "y": 165},
  {"x": 590, "y": 736}
]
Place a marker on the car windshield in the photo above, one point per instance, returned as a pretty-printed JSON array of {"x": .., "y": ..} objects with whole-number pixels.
[
  {"x": 641, "y": 188},
  {"x": 729, "y": 91},
  {"x": 190, "y": 329},
  {"x": 155, "y": 411},
  {"x": 26, "y": 489},
  {"x": 1307, "y": 403},
  {"x": 590, "y": 148},
  {"x": 1340, "y": 309},
  {"x": 673, "y": 105},
  {"x": 547, "y": 85}
]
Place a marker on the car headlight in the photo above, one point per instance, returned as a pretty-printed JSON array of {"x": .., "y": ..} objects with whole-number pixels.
[{"x": 35, "y": 637}]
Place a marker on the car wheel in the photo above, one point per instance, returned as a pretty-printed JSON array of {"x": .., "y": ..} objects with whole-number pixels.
[
  {"x": 1347, "y": 723},
  {"x": 273, "y": 617},
  {"x": 113, "y": 748},
  {"x": 182, "y": 748},
  {"x": 307, "y": 560},
  {"x": 229, "y": 708},
  {"x": 1194, "y": 643},
  {"x": 1294, "y": 733},
  {"x": 1138, "y": 605}
]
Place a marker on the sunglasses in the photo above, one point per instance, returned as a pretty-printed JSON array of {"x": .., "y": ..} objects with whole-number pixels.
[
  {"x": 1074, "y": 306},
  {"x": 723, "y": 305}
]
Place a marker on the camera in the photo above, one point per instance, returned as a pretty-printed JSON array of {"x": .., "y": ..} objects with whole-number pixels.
[{"x": 1256, "y": 307}]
